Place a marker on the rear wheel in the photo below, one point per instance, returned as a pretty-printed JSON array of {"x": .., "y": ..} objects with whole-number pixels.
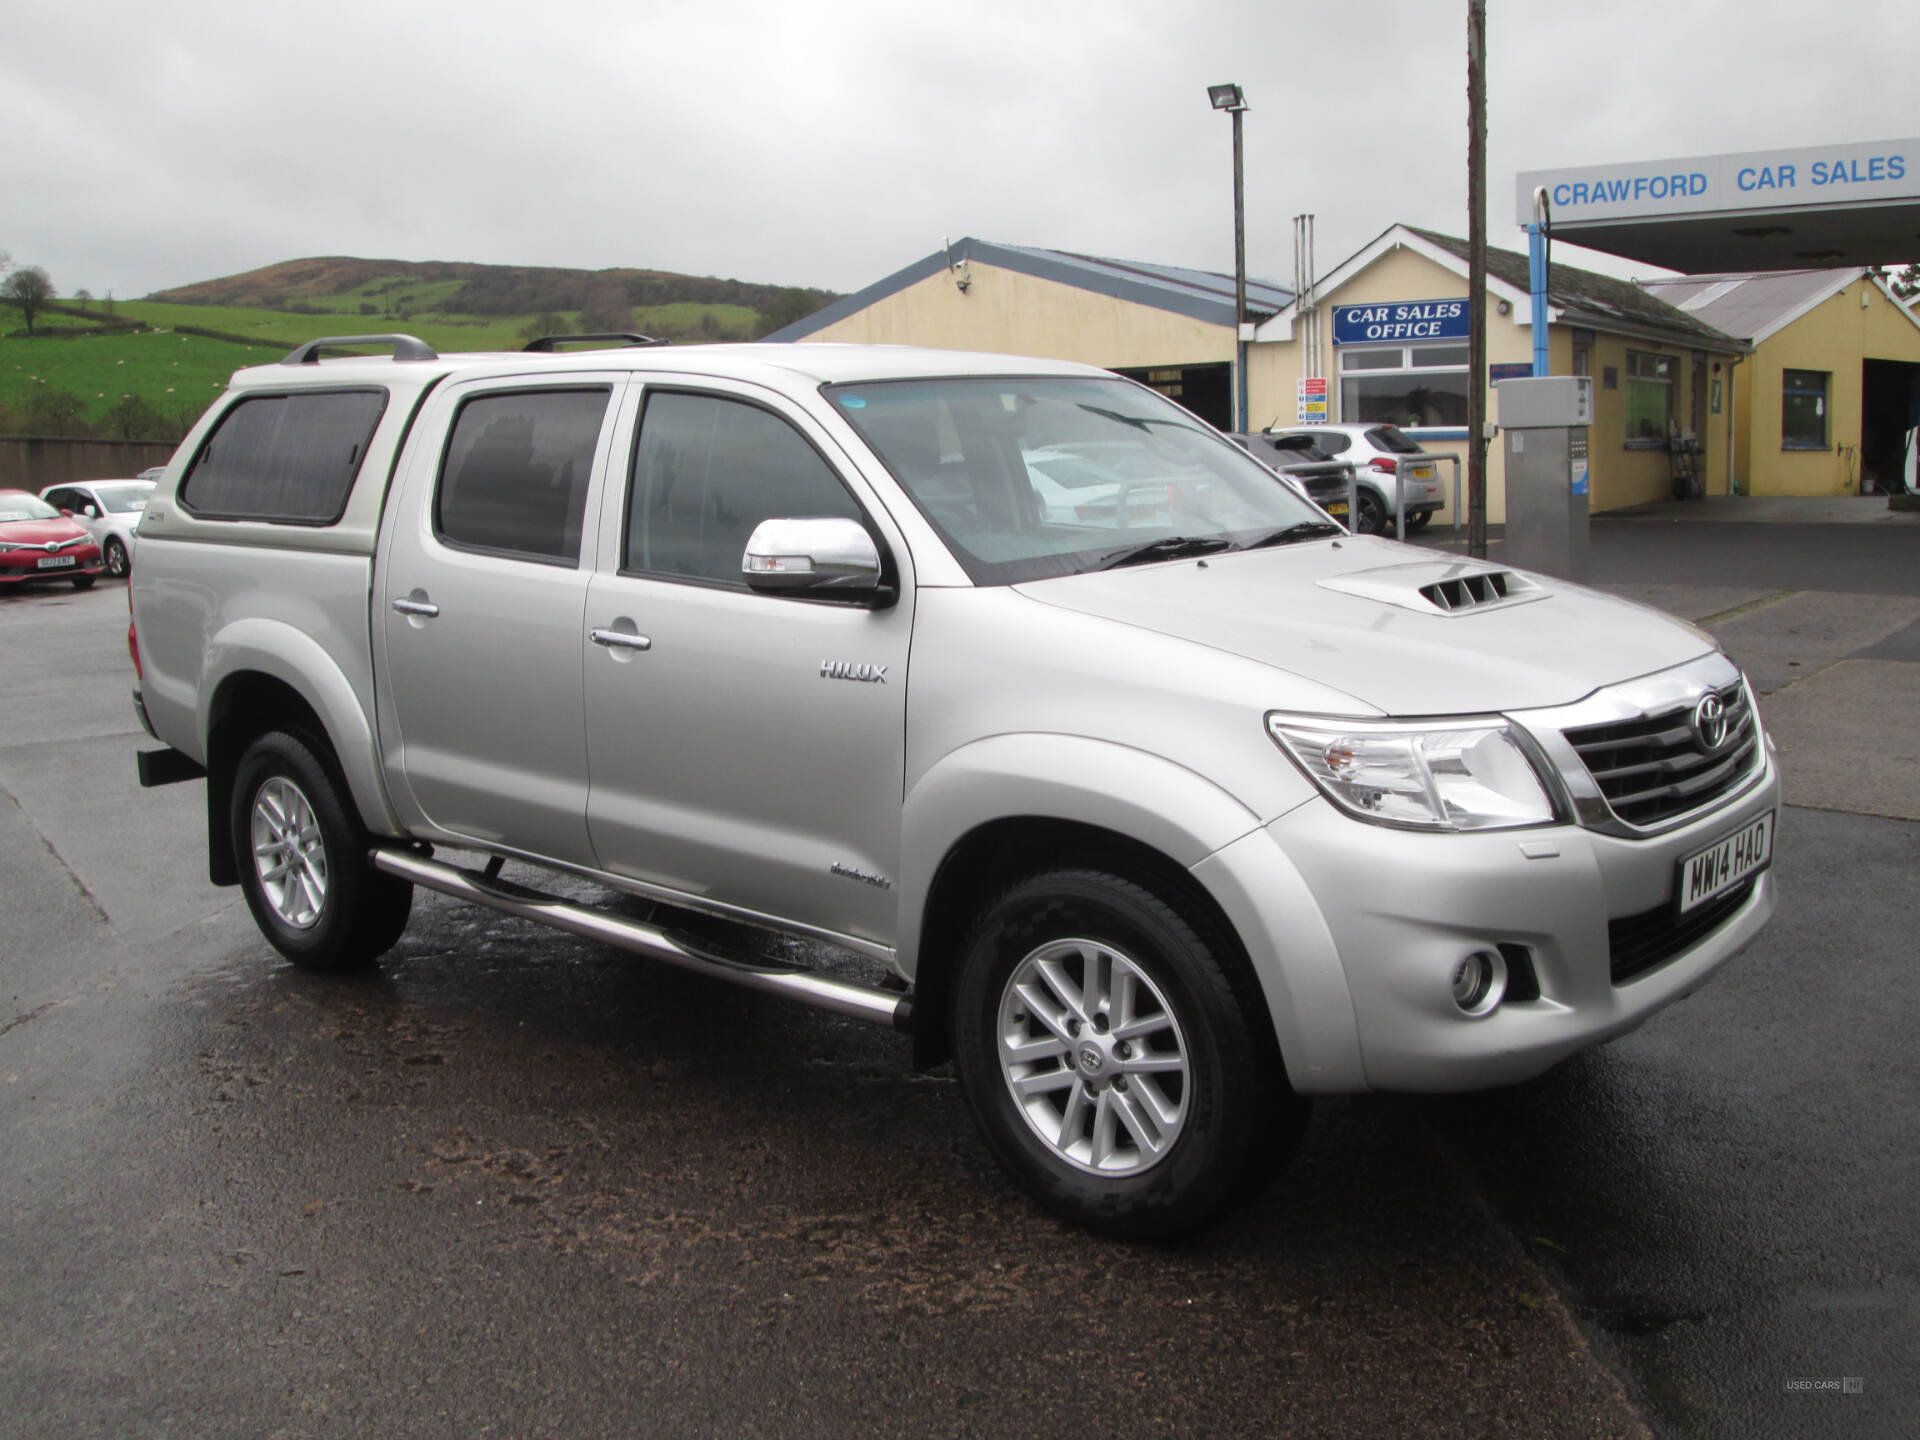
[
  {"x": 1372, "y": 516},
  {"x": 302, "y": 853},
  {"x": 116, "y": 557},
  {"x": 1108, "y": 1061}
]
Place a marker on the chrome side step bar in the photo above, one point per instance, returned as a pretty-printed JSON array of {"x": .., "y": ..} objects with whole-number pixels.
[{"x": 843, "y": 997}]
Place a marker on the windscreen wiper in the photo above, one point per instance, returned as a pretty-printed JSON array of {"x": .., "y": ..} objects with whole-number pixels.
[
  {"x": 1168, "y": 547},
  {"x": 1305, "y": 530}
]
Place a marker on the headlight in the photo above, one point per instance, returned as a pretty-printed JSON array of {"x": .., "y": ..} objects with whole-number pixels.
[{"x": 1469, "y": 774}]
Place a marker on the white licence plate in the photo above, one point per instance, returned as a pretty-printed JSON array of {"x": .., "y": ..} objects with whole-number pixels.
[
  {"x": 57, "y": 562},
  {"x": 1721, "y": 866}
]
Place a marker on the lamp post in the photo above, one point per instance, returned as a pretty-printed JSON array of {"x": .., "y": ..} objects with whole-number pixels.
[{"x": 1230, "y": 99}]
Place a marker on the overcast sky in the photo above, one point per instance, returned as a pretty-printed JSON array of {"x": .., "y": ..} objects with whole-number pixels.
[{"x": 151, "y": 143}]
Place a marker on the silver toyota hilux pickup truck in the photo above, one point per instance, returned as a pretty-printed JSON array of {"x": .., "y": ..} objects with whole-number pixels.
[{"x": 1114, "y": 770}]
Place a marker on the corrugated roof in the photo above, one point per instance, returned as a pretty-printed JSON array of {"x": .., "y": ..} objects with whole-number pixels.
[
  {"x": 1263, "y": 297},
  {"x": 1203, "y": 295},
  {"x": 1752, "y": 306},
  {"x": 1584, "y": 297}
]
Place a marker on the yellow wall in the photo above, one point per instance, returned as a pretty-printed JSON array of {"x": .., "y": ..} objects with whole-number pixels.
[
  {"x": 1634, "y": 474},
  {"x": 1836, "y": 336},
  {"x": 1016, "y": 314}
]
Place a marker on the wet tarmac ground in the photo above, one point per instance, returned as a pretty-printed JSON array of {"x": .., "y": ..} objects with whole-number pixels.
[{"x": 516, "y": 1184}]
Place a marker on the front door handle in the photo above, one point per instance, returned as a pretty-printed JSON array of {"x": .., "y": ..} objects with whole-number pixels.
[
  {"x": 409, "y": 605},
  {"x": 620, "y": 639}
]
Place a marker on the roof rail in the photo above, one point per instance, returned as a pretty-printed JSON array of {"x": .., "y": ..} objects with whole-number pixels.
[
  {"x": 405, "y": 347},
  {"x": 551, "y": 343}
]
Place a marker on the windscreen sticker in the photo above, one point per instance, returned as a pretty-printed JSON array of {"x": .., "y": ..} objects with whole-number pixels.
[{"x": 853, "y": 402}]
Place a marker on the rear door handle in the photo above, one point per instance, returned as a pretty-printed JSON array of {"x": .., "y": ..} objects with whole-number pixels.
[
  {"x": 407, "y": 605},
  {"x": 620, "y": 639}
]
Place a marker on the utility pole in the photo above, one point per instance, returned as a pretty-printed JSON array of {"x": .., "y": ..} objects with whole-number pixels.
[{"x": 1477, "y": 278}]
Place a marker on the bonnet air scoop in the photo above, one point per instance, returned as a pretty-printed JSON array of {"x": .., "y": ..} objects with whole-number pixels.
[{"x": 1443, "y": 587}]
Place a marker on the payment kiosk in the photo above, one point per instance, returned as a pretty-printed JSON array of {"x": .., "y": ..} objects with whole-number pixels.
[{"x": 1543, "y": 424}]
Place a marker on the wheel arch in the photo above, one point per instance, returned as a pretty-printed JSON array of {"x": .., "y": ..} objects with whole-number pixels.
[
  {"x": 264, "y": 675},
  {"x": 1007, "y": 806}
]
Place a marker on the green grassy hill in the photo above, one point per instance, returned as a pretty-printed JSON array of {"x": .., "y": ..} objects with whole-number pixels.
[{"x": 125, "y": 368}]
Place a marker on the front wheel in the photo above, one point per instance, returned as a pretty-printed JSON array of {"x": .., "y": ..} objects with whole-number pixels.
[
  {"x": 302, "y": 853},
  {"x": 1108, "y": 1060},
  {"x": 116, "y": 557},
  {"x": 83, "y": 582},
  {"x": 1418, "y": 520}
]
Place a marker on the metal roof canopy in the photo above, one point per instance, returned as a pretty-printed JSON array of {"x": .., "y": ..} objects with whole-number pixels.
[{"x": 1824, "y": 206}]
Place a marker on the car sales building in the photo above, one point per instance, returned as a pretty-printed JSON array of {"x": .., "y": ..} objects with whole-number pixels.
[{"x": 1387, "y": 331}]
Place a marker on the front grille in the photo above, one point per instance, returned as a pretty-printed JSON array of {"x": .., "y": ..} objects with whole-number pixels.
[
  {"x": 1637, "y": 943},
  {"x": 1653, "y": 768}
]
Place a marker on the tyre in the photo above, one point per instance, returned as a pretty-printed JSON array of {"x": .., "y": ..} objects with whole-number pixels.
[
  {"x": 1418, "y": 520},
  {"x": 1372, "y": 518},
  {"x": 116, "y": 557},
  {"x": 1108, "y": 1061},
  {"x": 83, "y": 582},
  {"x": 301, "y": 854}
]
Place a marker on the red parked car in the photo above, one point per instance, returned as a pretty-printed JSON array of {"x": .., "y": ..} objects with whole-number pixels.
[{"x": 37, "y": 542}]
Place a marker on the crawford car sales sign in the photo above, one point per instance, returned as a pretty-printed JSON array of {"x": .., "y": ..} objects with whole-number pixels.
[{"x": 1400, "y": 320}]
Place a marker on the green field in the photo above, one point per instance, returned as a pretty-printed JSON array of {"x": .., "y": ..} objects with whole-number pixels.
[{"x": 179, "y": 374}]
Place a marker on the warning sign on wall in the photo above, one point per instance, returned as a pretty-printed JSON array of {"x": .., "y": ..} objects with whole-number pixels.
[{"x": 1313, "y": 400}]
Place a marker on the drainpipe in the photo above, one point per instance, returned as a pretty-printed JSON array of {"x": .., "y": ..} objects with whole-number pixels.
[{"x": 1733, "y": 429}]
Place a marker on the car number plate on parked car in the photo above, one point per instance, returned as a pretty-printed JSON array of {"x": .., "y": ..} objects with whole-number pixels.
[
  {"x": 1336, "y": 507},
  {"x": 1421, "y": 472},
  {"x": 56, "y": 562},
  {"x": 1723, "y": 865}
]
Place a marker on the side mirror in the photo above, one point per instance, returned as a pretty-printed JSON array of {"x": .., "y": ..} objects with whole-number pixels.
[
  {"x": 90, "y": 512},
  {"x": 835, "y": 559},
  {"x": 66, "y": 512}
]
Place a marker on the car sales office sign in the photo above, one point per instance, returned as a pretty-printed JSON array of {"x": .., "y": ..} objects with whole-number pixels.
[{"x": 1400, "y": 321}]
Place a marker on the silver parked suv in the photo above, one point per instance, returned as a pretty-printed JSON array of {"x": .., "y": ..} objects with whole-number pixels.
[{"x": 1162, "y": 802}]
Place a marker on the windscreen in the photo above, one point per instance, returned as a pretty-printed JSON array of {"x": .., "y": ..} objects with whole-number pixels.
[
  {"x": 18, "y": 505},
  {"x": 125, "y": 499},
  {"x": 1029, "y": 478}
]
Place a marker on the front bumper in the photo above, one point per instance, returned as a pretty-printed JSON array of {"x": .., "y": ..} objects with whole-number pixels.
[
  {"x": 1331, "y": 907},
  {"x": 19, "y": 566}
]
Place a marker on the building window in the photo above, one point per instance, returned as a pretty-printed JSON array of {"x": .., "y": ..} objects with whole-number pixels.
[
  {"x": 1582, "y": 360},
  {"x": 1649, "y": 397},
  {"x": 1803, "y": 410},
  {"x": 1406, "y": 385}
]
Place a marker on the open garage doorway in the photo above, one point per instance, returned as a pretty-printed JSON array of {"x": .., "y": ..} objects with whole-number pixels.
[
  {"x": 1206, "y": 390},
  {"x": 1889, "y": 413}
]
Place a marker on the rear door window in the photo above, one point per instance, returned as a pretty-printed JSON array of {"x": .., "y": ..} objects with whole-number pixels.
[
  {"x": 290, "y": 459},
  {"x": 514, "y": 477}
]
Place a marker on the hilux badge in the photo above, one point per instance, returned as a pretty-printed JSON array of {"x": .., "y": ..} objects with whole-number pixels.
[{"x": 853, "y": 670}]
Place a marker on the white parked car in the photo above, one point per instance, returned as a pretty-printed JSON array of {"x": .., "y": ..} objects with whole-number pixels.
[
  {"x": 110, "y": 509},
  {"x": 1374, "y": 452}
]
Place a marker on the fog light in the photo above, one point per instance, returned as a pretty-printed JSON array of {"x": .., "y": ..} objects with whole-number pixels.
[{"x": 1479, "y": 982}]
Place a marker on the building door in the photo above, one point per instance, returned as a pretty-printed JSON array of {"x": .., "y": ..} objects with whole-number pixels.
[{"x": 1206, "y": 390}]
